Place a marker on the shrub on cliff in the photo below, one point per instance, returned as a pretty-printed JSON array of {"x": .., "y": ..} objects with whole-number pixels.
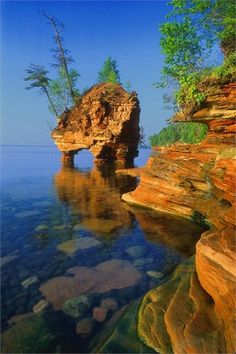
[
  {"x": 187, "y": 40},
  {"x": 190, "y": 133},
  {"x": 109, "y": 72}
]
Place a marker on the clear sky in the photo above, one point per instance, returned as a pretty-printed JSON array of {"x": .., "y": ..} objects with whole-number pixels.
[{"x": 125, "y": 30}]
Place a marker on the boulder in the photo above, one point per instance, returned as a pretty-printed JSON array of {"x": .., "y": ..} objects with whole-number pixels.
[{"x": 112, "y": 274}]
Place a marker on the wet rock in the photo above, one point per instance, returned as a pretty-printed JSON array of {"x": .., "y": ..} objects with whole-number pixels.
[
  {"x": 25, "y": 214},
  {"x": 77, "y": 227},
  {"x": 136, "y": 251},
  {"x": 29, "y": 281},
  {"x": 124, "y": 337},
  {"x": 7, "y": 259},
  {"x": 100, "y": 225},
  {"x": 31, "y": 335},
  {"x": 179, "y": 316},
  {"x": 140, "y": 262},
  {"x": 85, "y": 326},
  {"x": 112, "y": 274},
  {"x": 19, "y": 318},
  {"x": 41, "y": 227},
  {"x": 154, "y": 274},
  {"x": 99, "y": 314},
  {"x": 82, "y": 243},
  {"x": 59, "y": 227},
  {"x": 78, "y": 306},
  {"x": 40, "y": 306},
  {"x": 109, "y": 303}
]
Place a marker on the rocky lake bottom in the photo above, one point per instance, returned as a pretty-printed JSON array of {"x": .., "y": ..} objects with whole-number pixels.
[{"x": 75, "y": 259}]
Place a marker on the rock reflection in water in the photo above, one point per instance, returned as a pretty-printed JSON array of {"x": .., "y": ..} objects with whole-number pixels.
[
  {"x": 176, "y": 233},
  {"x": 95, "y": 197}
]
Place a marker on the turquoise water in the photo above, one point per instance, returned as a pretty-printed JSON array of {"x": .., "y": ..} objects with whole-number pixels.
[{"x": 66, "y": 234}]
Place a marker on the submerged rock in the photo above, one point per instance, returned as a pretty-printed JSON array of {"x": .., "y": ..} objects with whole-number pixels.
[
  {"x": 155, "y": 274},
  {"x": 18, "y": 318},
  {"x": 29, "y": 281},
  {"x": 85, "y": 326},
  {"x": 136, "y": 251},
  {"x": 109, "y": 303},
  {"x": 25, "y": 214},
  {"x": 40, "y": 306},
  {"x": 140, "y": 262},
  {"x": 31, "y": 335},
  {"x": 81, "y": 243},
  {"x": 180, "y": 303},
  {"x": 99, "y": 314},
  {"x": 101, "y": 225},
  {"x": 41, "y": 227},
  {"x": 124, "y": 338},
  {"x": 112, "y": 274},
  {"x": 7, "y": 259},
  {"x": 78, "y": 306}
]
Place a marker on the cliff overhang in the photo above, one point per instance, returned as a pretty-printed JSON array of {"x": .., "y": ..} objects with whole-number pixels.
[{"x": 188, "y": 180}]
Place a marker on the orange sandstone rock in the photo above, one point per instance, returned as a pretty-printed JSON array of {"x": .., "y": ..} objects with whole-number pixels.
[
  {"x": 182, "y": 180},
  {"x": 105, "y": 121}
]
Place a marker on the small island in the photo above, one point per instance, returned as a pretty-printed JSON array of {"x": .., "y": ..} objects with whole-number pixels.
[{"x": 105, "y": 121}]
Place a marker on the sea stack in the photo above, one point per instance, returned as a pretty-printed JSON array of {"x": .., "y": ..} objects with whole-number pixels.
[{"x": 105, "y": 120}]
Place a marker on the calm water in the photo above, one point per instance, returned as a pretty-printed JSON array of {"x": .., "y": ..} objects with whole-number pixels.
[{"x": 69, "y": 240}]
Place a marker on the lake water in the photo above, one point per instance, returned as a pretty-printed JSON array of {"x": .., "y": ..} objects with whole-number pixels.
[{"x": 70, "y": 246}]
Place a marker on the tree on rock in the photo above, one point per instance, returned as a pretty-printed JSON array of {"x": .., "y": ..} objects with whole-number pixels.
[
  {"x": 37, "y": 75},
  {"x": 195, "y": 26},
  {"x": 61, "y": 55},
  {"x": 109, "y": 72}
]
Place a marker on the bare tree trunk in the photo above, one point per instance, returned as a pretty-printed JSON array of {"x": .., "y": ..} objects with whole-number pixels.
[
  {"x": 51, "y": 103},
  {"x": 63, "y": 57}
]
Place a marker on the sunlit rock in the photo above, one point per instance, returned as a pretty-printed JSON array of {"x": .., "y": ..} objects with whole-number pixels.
[
  {"x": 105, "y": 121},
  {"x": 179, "y": 316},
  {"x": 82, "y": 243},
  {"x": 198, "y": 182}
]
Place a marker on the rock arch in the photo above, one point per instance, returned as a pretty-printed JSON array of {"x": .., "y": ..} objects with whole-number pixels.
[{"x": 105, "y": 120}]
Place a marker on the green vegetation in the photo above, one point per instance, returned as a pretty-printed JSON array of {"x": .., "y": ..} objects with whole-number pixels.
[
  {"x": 62, "y": 58},
  {"x": 37, "y": 75},
  {"x": 61, "y": 92},
  {"x": 190, "y": 133},
  {"x": 200, "y": 219},
  {"x": 109, "y": 72},
  {"x": 195, "y": 27}
]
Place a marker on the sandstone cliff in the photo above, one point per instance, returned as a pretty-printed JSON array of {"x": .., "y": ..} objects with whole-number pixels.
[
  {"x": 105, "y": 121},
  {"x": 195, "y": 312}
]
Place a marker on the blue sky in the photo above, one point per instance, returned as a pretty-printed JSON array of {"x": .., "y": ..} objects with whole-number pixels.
[{"x": 125, "y": 30}]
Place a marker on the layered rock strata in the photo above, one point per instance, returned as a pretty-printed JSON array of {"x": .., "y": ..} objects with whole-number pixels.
[
  {"x": 197, "y": 181},
  {"x": 105, "y": 121}
]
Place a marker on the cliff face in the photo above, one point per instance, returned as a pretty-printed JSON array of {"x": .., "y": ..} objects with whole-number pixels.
[
  {"x": 197, "y": 181},
  {"x": 105, "y": 121}
]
